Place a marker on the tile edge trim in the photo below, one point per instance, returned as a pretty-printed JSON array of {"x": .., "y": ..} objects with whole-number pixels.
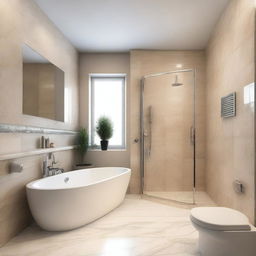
[{"x": 10, "y": 128}]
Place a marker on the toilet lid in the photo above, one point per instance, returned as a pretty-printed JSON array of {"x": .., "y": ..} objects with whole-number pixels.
[{"x": 219, "y": 218}]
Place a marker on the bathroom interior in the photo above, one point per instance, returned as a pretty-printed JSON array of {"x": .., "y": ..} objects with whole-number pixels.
[{"x": 174, "y": 80}]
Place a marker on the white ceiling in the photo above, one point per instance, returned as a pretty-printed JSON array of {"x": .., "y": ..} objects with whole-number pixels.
[{"x": 122, "y": 25}]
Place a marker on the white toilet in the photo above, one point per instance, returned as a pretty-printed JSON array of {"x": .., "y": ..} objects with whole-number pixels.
[{"x": 223, "y": 232}]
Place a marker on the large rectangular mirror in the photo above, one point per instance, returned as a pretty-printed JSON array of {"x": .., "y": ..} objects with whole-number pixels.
[{"x": 43, "y": 86}]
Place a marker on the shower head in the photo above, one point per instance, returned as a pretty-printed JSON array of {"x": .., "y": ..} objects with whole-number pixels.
[{"x": 176, "y": 83}]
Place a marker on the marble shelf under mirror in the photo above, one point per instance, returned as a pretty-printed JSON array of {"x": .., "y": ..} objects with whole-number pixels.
[{"x": 39, "y": 151}]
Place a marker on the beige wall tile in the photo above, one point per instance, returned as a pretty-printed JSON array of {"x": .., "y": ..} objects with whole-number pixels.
[
  {"x": 230, "y": 143},
  {"x": 23, "y": 22}
]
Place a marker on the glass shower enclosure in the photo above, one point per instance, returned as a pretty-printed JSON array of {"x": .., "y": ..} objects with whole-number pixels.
[{"x": 167, "y": 135}]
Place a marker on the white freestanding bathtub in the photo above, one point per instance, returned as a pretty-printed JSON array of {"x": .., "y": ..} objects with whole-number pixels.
[{"x": 73, "y": 199}]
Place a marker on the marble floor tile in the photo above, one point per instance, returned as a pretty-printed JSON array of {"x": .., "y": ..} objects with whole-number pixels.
[{"x": 138, "y": 227}]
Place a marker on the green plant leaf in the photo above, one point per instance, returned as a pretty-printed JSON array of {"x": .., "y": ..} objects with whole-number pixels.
[
  {"x": 83, "y": 141},
  {"x": 104, "y": 128}
]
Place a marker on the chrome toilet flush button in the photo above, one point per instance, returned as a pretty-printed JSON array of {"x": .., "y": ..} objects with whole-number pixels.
[{"x": 66, "y": 179}]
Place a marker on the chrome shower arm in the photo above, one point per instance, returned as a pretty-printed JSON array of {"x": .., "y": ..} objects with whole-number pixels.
[{"x": 167, "y": 73}]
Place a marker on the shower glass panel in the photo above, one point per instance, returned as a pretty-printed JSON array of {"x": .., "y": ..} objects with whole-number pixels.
[{"x": 168, "y": 117}]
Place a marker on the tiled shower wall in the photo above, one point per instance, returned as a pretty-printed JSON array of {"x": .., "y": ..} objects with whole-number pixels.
[
  {"x": 230, "y": 142},
  {"x": 23, "y": 22}
]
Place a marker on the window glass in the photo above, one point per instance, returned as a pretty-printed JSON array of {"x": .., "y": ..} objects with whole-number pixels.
[{"x": 108, "y": 99}]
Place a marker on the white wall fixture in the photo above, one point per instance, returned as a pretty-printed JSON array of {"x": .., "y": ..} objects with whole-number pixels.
[
  {"x": 249, "y": 95},
  {"x": 16, "y": 167}
]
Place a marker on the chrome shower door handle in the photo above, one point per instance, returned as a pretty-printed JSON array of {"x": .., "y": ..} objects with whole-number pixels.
[
  {"x": 192, "y": 135},
  {"x": 150, "y": 130},
  {"x": 136, "y": 140}
]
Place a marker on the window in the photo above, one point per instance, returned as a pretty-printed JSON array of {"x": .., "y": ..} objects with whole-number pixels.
[{"x": 107, "y": 98}]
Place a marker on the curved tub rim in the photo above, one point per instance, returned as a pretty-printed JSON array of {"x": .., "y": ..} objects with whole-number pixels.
[{"x": 29, "y": 185}]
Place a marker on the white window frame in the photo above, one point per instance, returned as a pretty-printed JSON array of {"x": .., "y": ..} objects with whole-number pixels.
[{"x": 92, "y": 127}]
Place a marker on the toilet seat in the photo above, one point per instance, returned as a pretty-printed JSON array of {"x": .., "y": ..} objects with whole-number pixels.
[{"x": 220, "y": 219}]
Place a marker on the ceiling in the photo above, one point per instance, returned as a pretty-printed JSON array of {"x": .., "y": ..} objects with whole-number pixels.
[{"x": 122, "y": 25}]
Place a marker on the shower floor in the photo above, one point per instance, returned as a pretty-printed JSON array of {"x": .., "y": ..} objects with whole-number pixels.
[{"x": 186, "y": 197}]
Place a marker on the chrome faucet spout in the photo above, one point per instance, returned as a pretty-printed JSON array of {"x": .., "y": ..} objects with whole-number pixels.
[
  {"x": 50, "y": 170},
  {"x": 52, "y": 156}
]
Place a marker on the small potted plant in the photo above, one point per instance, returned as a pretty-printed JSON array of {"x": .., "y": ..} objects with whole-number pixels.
[
  {"x": 104, "y": 129},
  {"x": 83, "y": 142}
]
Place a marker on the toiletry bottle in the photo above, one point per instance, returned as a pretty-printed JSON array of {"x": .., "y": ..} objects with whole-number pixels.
[
  {"x": 47, "y": 143},
  {"x": 42, "y": 142}
]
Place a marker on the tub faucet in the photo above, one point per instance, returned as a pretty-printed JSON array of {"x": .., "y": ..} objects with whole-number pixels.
[
  {"x": 52, "y": 156},
  {"x": 49, "y": 170}
]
